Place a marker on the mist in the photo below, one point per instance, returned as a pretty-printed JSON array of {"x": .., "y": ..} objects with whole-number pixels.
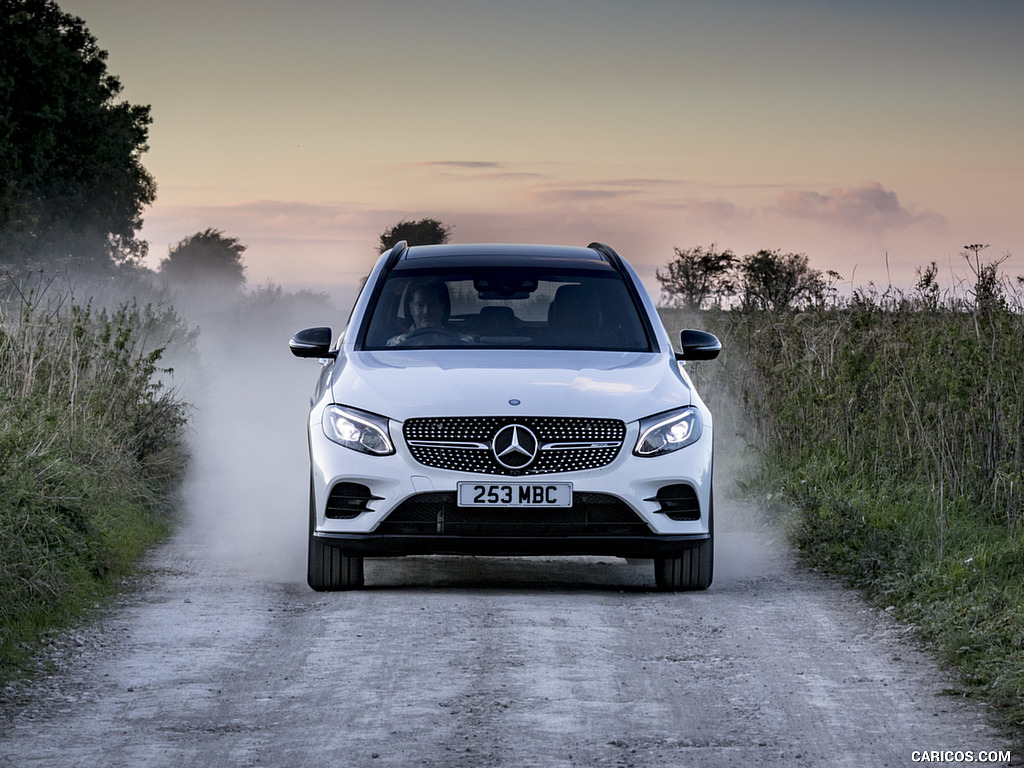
[{"x": 245, "y": 491}]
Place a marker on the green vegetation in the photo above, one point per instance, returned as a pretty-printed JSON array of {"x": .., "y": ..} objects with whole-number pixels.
[
  {"x": 209, "y": 261},
  {"x": 420, "y": 232},
  {"x": 892, "y": 427},
  {"x": 698, "y": 278},
  {"x": 91, "y": 443}
]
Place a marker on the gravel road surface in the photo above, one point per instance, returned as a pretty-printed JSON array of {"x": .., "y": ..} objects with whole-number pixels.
[
  {"x": 219, "y": 655},
  {"x": 446, "y": 661}
]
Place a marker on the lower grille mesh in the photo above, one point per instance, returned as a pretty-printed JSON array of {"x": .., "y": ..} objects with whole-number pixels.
[{"x": 592, "y": 514}]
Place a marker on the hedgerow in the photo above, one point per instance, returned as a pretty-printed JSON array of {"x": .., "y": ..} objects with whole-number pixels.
[
  {"x": 892, "y": 426},
  {"x": 91, "y": 444}
]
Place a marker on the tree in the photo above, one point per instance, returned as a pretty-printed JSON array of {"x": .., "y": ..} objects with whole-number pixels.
[
  {"x": 71, "y": 182},
  {"x": 207, "y": 258},
  {"x": 421, "y": 232},
  {"x": 775, "y": 281},
  {"x": 698, "y": 275}
]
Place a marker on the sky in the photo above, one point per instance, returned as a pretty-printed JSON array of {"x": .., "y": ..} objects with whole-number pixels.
[{"x": 874, "y": 136}]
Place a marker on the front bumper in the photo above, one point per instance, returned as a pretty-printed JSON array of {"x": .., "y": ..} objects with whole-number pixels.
[
  {"x": 413, "y": 509},
  {"x": 379, "y": 545}
]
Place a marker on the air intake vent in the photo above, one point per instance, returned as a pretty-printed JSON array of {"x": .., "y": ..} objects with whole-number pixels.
[
  {"x": 349, "y": 500},
  {"x": 678, "y": 502}
]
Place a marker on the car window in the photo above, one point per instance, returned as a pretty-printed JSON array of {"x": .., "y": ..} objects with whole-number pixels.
[{"x": 506, "y": 308}]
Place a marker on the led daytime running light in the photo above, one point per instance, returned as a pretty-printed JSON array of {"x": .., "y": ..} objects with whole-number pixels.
[
  {"x": 363, "y": 432},
  {"x": 666, "y": 433}
]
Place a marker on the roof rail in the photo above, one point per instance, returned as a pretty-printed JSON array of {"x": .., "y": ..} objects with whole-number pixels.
[
  {"x": 396, "y": 253},
  {"x": 609, "y": 253}
]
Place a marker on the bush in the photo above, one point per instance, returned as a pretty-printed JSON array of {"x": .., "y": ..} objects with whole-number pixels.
[
  {"x": 91, "y": 440},
  {"x": 893, "y": 424}
]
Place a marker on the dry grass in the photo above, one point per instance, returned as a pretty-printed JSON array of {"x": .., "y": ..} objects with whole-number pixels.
[
  {"x": 893, "y": 423},
  {"x": 90, "y": 441}
]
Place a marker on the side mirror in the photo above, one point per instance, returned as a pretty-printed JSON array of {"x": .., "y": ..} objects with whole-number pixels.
[
  {"x": 312, "y": 342},
  {"x": 698, "y": 345}
]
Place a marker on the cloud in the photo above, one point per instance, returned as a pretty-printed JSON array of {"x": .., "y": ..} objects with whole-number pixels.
[
  {"x": 570, "y": 195},
  {"x": 471, "y": 164},
  {"x": 471, "y": 171},
  {"x": 869, "y": 207},
  {"x": 650, "y": 183},
  {"x": 286, "y": 240},
  {"x": 255, "y": 219},
  {"x": 709, "y": 211},
  {"x": 602, "y": 189}
]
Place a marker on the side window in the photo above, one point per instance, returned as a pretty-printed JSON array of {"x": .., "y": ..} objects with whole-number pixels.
[{"x": 388, "y": 318}]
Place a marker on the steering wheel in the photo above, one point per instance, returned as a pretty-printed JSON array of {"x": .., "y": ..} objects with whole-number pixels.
[{"x": 430, "y": 336}]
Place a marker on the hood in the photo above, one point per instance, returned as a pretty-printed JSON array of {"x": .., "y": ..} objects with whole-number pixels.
[{"x": 409, "y": 383}]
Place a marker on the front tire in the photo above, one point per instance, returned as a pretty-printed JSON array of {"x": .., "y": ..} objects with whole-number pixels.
[
  {"x": 694, "y": 569},
  {"x": 329, "y": 569}
]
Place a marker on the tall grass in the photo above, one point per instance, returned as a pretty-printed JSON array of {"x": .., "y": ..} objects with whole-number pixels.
[
  {"x": 893, "y": 423},
  {"x": 90, "y": 442}
]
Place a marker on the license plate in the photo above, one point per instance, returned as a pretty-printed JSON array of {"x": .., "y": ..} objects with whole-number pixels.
[{"x": 515, "y": 494}]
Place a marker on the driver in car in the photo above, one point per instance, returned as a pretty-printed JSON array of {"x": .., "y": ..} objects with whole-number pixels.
[{"x": 428, "y": 308}]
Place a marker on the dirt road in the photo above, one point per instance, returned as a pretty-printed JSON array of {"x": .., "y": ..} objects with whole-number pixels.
[
  {"x": 220, "y": 655},
  {"x": 480, "y": 662}
]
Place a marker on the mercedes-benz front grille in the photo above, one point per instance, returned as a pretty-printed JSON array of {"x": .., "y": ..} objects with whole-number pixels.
[{"x": 505, "y": 445}]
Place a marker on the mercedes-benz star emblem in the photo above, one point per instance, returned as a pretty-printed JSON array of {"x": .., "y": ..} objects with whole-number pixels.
[{"x": 514, "y": 446}]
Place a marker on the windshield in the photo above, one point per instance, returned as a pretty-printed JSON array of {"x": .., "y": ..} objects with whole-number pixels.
[{"x": 506, "y": 308}]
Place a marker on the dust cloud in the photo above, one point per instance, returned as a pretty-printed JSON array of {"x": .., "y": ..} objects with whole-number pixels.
[
  {"x": 750, "y": 539},
  {"x": 245, "y": 492}
]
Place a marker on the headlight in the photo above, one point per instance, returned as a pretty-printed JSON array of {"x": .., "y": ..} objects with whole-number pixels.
[
  {"x": 358, "y": 430},
  {"x": 668, "y": 432}
]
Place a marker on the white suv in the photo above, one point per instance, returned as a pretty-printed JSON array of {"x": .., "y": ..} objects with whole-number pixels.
[{"x": 507, "y": 400}]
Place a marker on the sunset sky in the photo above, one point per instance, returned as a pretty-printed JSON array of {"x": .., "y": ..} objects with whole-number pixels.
[{"x": 875, "y": 136}]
